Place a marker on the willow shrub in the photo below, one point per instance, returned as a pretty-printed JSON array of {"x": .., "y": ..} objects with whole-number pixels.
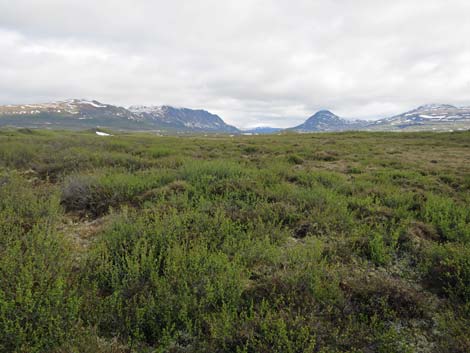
[
  {"x": 153, "y": 280},
  {"x": 38, "y": 305}
]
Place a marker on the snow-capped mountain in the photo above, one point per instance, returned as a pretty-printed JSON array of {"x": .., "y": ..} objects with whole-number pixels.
[
  {"x": 427, "y": 117},
  {"x": 69, "y": 114},
  {"x": 80, "y": 107},
  {"x": 183, "y": 118},
  {"x": 324, "y": 120},
  {"x": 82, "y": 114}
]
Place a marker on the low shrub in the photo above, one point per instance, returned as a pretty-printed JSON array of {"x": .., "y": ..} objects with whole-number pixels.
[
  {"x": 39, "y": 306},
  {"x": 451, "y": 219},
  {"x": 385, "y": 297},
  {"x": 295, "y": 159},
  {"x": 447, "y": 269},
  {"x": 95, "y": 194},
  {"x": 152, "y": 286}
]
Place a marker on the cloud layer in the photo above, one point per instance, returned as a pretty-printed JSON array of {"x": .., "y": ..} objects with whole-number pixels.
[{"x": 254, "y": 62}]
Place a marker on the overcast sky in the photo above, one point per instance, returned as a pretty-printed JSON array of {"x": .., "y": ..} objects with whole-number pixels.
[{"x": 254, "y": 62}]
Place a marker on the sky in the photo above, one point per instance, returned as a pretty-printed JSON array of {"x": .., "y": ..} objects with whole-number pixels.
[{"x": 253, "y": 62}]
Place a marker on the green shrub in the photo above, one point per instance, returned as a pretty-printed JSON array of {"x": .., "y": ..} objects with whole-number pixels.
[
  {"x": 267, "y": 330},
  {"x": 152, "y": 286},
  {"x": 327, "y": 156},
  {"x": 295, "y": 159},
  {"x": 22, "y": 208},
  {"x": 250, "y": 149},
  {"x": 451, "y": 220},
  {"x": 207, "y": 171},
  {"x": 159, "y": 151},
  {"x": 18, "y": 155},
  {"x": 39, "y": 307},
  {"x": 96, "y": 194},
  {"x": 378, "y": 250},
  {"x": 447, "y": 268}
]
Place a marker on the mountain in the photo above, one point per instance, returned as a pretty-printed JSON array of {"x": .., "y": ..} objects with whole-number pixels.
[
  {"x": 262, "y": 130},
  {"x": 182, "y": 119},
  {"x": 324, "y": 120},
  {"x": 70, "y": 114},
  {"x": 84, "y": 114},
  {"x": 430, "y": 117}
]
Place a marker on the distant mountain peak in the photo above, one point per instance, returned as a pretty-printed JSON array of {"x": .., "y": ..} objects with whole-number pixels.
[
  {"x": 325, "y": 114},
  {"x": 325, "y": 120}
]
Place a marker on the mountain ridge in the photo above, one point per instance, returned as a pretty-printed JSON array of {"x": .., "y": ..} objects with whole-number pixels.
[
  {"x": 84, "y": 114},
  {"x": 183, "y": 118},
  {"x": 430, "y": 117}
]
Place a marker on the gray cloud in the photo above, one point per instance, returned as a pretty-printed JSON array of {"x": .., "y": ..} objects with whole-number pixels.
[{"x": 254, "y": 62}]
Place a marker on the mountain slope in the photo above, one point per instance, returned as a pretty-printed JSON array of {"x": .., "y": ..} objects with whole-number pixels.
[
  {"x": 429, "y": 117},
  {"x": 324, "y": 120},
  {"x": 83, "y": 114},
  {"x": 70, "y": 114},
  {"x": 440, "y": 117},
  {"x": 183, "y": 118}
]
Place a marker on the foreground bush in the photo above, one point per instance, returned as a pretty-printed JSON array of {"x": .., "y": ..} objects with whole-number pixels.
[
  {"x": 448, "y": 269},
  {"x": 148, "y": 283},
  {"x": 39, "y": 307}
]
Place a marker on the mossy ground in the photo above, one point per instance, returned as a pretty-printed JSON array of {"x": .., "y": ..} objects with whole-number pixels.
[{"x": 347, "y": 242}]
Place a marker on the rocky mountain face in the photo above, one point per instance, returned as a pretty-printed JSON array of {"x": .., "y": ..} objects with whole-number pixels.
[
  {"x": 80, "y": 114},
  {"x": 324, "y": 120},
  {"x": 433, "y": 117},
  {"x": 182, "y": 119}
]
